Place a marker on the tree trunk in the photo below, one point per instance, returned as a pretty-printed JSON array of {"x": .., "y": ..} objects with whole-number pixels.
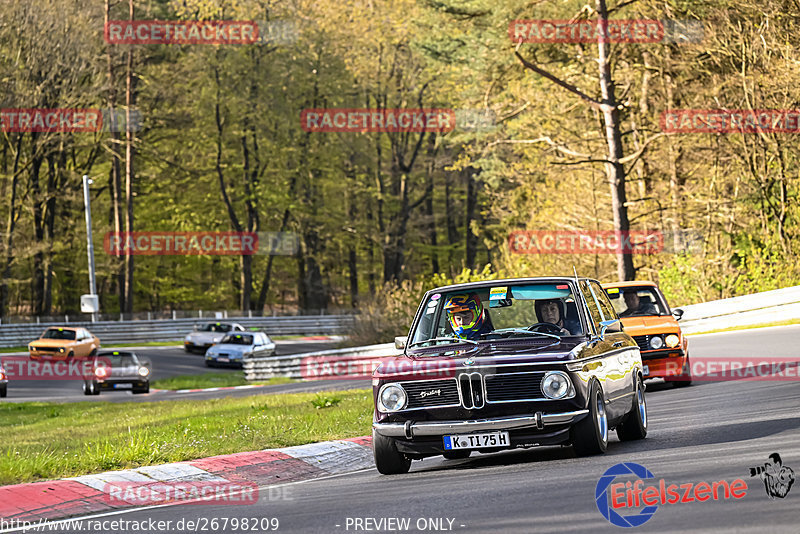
[
  {"x": 11, "y": 223},
  {"x": 130, "y": 100},
  {"x": 471, "y": 240},
  {"x": 114, "y": 173},
  {"x": 615, "y": 171}
]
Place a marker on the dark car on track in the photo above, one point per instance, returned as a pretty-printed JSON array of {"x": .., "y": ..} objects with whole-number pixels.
[
  {"x": 116, "y": 370},
  {"x": 508, "y": 364},
  {"x": 3, "y": 381}
]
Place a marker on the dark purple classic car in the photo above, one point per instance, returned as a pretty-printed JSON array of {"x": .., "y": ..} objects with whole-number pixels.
[{"x": 507, "y": 364}]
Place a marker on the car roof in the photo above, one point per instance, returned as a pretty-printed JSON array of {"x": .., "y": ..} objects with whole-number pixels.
[
  {"x": 490, "y": 283},
  {"x": 631, "y": 283},
  {"x": 72, "y": 328}
]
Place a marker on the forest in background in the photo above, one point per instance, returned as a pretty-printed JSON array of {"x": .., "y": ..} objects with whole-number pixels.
[{"x": 381, "y": 215}]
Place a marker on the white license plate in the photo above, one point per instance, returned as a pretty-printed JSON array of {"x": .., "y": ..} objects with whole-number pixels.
[
  {"x": 226, "y": 360},
  {"x": 645, "y": 370},
  {"x": 476, "y": 441},
  {"x": 123, "y": 386}
]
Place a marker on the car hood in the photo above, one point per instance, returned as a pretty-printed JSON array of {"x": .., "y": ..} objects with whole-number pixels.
[
  {"x": 650, "y": 324},
  {"x": 230, "y": 348}
]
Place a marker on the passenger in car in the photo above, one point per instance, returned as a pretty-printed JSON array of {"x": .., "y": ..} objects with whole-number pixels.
[{"x": 554, "y": 311}]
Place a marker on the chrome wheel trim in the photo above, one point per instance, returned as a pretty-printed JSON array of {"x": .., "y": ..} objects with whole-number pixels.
[
  {"x": 601, "y": 420},
  {"x": 642, "y": 404}
]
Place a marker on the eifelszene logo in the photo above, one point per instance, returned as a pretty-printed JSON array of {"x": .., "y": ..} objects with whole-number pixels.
[
  {"x": 615, "y": 497},
  {"x": 777, "y": 478}
]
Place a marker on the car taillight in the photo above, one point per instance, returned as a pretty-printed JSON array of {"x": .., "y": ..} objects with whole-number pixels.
[
  {"x": 101, "y": 372},
  {"x": 2, "y": 375}
]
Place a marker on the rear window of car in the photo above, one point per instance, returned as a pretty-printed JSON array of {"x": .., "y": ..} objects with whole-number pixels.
[
  {"x": 216, "y": 327},
  {"x": 58, "y": 333},
  {"x": 238, "y": 339}
]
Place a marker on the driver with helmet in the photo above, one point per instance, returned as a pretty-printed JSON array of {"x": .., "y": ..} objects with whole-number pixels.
[
  {"x": 467, "y": 316},
  {"x": 554, "y": 311}
]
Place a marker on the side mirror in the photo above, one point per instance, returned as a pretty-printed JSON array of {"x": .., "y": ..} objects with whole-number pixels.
[
  {"x": 400, "y": 342},
  {"x": 612, "y": 325},
  {"x": 677, "y": 313}
]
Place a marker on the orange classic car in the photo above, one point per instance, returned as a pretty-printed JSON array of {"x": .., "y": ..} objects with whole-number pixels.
[
  {"x": 646, "y": 316},
  {"x": 60, "y": 343}
]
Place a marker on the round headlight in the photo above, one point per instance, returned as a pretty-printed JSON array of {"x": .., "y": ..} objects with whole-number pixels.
[
  {"x": 656, "y": 342},
  {"x": 391, "y": 398},
  {"x": 144, "y": 371},
  {"x": 673, "y": 340},
  {"x": 555, "y": 386}
]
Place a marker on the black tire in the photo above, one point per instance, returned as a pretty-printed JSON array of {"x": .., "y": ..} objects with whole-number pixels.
[
  {"x": 145, "y": 389},
  {"x": 4, "y": 391},
  {"x": 635, "y": 425},
  {"x": 388, "y": 459},
  {"x": 70, "y": 355},
  {"x": 91, "y": 388},
  {"x": 457, "y": 455},
  {"x": 209, "y": 364},
  {"x": 590, "y": 435}
]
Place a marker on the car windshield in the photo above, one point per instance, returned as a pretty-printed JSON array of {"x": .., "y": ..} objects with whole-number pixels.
[
  {"x": 58, "y": 333},
  {"x": 238, "y": 339},
  {"x": 505, "y": 311},
  {"x": 636, "y": 301},
  {"x": 118, "y": 360},
  {"x": 216, "y": 327}
]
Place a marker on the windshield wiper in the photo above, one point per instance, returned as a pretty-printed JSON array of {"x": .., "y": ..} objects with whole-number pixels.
[
  {"x": 526, "y": 332},
  {"x": 445, "y": 338}
]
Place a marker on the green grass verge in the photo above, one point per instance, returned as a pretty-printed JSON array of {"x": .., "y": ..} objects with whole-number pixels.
[
  {"x": 47, "y": 441},
  {"x": 212, "y": 380},
  {"x": 748, "y": 327}
]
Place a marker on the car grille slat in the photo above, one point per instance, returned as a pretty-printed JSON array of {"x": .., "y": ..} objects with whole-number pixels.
[
  {"x": 513, "y": 387},
  {"x": 448, "y": 393},
  {"x": 643, "y": 342}
]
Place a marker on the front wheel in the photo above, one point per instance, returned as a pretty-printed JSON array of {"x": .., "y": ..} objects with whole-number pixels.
[
  {"x": 590, "y": 435},
  {"x": 4, "y": 391},
  {"x": 635, "y": 425},
  {"x": 145, "y": 389},
  {"x": 457, "y": 455},
  {"x": 388, "y": 459}
]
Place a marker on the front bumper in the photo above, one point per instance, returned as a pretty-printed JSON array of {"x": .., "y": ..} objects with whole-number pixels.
[{"x": 539, "y": 421}]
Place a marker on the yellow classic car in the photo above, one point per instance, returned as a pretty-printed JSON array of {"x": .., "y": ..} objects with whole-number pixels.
[{"x": 61, "y": 343}]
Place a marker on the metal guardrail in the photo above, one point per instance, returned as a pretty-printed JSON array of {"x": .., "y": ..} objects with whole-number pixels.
[
  {"x": 747, "y": 310},
  {"x": 326, "y": 364},
  {"x": 110, "y": 332}
]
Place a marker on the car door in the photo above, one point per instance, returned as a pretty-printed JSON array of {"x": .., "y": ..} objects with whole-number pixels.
[
  {"x": 82, "y": 342},
  {"x": 607, "y": 367},
  {"x": 624, "y": 351}
]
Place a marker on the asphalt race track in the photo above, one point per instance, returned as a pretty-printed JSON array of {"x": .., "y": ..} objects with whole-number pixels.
[
  {"x": 167, "y": 362},
  {"x": 704, "y": 433}
]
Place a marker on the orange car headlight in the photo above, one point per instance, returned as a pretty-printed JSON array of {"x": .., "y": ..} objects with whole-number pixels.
[{"x": 672, "y": 340}]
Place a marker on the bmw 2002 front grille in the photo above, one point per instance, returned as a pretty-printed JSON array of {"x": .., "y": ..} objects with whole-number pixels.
[
  {"x": 473, "y": 390},
  {"x": 429, "y": 393}
]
